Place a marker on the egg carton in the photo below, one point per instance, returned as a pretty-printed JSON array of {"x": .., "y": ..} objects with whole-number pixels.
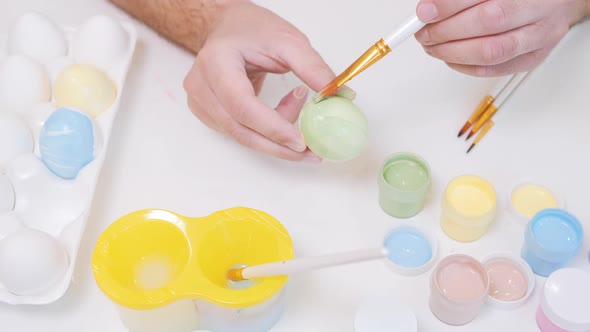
[{"x": 45, "y": 198}]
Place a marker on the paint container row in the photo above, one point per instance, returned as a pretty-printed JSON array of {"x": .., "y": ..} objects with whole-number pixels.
[
  {"x": 506, "y": 282},
  {"x": 469, "y": 202},
  {"x": 462, "y": 286}
]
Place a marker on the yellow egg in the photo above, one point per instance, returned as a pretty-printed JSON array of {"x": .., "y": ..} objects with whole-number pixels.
[{"x": 85, "y": 87}]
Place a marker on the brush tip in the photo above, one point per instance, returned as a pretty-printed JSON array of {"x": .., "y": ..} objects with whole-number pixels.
[
  {"x": 464, "y": 129},
  {"x": 469, "y": 136},
  {"x": 470, "y": 148}
]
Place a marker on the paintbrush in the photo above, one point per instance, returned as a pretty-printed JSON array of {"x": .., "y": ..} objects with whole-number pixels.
[{"x": 375, "y": 53}]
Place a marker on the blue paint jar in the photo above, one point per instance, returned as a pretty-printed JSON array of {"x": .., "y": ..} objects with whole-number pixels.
[
  {"x": 552, "y": 239},
  {"x": 410, "y": 250}
]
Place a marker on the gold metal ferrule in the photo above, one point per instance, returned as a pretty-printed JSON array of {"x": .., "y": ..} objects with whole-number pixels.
[{"x": 372, "y": 55}]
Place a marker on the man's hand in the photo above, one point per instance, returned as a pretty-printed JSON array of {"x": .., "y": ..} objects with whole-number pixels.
[
  {"x": 496, "y": 37},
  {"x": 247, "y": 42}
]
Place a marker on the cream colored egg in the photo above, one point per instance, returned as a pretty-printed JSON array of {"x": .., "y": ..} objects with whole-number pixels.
[
  {"x": 31, "y": 262},
  {"x": 101, "y": 41},
  {"x": 23, "y": 84},
  {"x": 6, "y": 195},
  {"x": 85, "y": 87},
  {"x": 15, "y": 137},
  {"x": 36, "y": 36}
]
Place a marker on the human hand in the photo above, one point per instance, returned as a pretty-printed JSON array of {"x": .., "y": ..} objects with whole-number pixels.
[
  {"x": 222, "y": 86},
  {"x": 495, "y": 37}
]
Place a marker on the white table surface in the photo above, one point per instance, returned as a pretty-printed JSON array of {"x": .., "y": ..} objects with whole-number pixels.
[{"x": 161, "y": 156}]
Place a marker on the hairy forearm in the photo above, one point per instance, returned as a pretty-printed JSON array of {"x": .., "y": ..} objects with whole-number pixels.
[{"x": 185, "y": 22}]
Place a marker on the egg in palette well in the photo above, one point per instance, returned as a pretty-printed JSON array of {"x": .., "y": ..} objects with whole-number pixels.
[{"x": 47, "y": 181}]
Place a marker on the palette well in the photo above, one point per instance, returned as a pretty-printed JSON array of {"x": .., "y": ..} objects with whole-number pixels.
[{"x": 51, "y": 148}]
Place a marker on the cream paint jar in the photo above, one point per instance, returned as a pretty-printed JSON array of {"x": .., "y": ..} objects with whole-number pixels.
[{"x": 468, "y": 208}]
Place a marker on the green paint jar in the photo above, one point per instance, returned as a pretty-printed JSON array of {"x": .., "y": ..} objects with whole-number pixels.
[{"x": 404, "y": 184}]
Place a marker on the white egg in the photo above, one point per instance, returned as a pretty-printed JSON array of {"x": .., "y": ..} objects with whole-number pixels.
[
  {"x": 23, "y": 84},
  {"x": 6, "y": 195},
  {"x": 15, "y": 137},
  {"x": 101, "y": 41},
  {"x": 31, "y": 262},
  {"x": 36, "y": 36}
]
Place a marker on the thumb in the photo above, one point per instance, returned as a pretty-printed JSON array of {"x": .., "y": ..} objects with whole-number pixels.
[{"x": 306, "y": 63}]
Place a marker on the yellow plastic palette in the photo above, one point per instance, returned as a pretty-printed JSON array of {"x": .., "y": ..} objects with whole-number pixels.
[{"x": 152, "y": 258}]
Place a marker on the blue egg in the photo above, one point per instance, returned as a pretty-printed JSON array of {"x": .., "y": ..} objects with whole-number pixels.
[{"x": 67, "y": 142}]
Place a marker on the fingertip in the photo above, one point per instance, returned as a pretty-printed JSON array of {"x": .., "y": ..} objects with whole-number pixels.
[
  {"x": 311, "y": 158},
  {"x": 426, "y": 11}
]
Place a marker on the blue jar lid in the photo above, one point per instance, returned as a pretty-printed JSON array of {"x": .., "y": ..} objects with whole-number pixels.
[{"x": 556, "y": 232}]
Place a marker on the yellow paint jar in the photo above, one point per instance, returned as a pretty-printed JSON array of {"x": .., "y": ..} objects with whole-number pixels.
[
  {"x": 468, "y": 207},
  {"x": 167, "y": 272}
]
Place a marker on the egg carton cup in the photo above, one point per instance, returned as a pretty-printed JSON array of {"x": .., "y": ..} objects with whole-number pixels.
[{"x": 46, "y": 202}]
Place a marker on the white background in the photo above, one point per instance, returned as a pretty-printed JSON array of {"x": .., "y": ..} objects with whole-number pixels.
[{"x": 161, "y": 156}]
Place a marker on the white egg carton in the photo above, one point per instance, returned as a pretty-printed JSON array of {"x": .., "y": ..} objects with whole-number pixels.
[{"x": 44, "y": 201}]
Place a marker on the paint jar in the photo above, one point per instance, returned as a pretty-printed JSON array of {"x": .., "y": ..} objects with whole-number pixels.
[
  {"x": 459, "y": 287},
  {"x": 468, "y": 208},
  {"x": 410, "y": 250},
  {"x": 384, "y": 314},
  {"x": 529, "y": 198},
  {"x": 168, "y": 273},
  {"x": 552, "y": 239},
  {"x": 565, "y": 302},
  {"x": 404, "y": 184},
  {"x": 511, "y": 280}
]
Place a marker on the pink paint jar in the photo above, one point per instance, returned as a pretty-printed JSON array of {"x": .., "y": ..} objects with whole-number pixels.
[
  {"x": 565, "y": 303},
  {"x": 459, "y": 287}
]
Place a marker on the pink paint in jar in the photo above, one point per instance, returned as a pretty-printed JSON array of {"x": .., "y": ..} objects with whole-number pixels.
[
  {"x": 459, "y": 287},
  {"x": 565, "y": 303}
]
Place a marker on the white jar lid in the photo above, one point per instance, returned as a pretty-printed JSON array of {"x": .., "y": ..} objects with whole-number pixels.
[
  {"x": 566, "y": 299},
  {"x": 384, "y": 314},
  {"x": 511, "y": 280}
]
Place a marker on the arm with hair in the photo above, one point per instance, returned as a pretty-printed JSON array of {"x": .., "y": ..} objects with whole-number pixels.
[{"x": 185, "y": 22}]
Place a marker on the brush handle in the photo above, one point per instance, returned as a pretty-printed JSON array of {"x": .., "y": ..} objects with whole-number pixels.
[
  {"x": 403, "y": 32},
  {"x": 312, "y": 263},
  {"x": 510, "y": 88}
]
